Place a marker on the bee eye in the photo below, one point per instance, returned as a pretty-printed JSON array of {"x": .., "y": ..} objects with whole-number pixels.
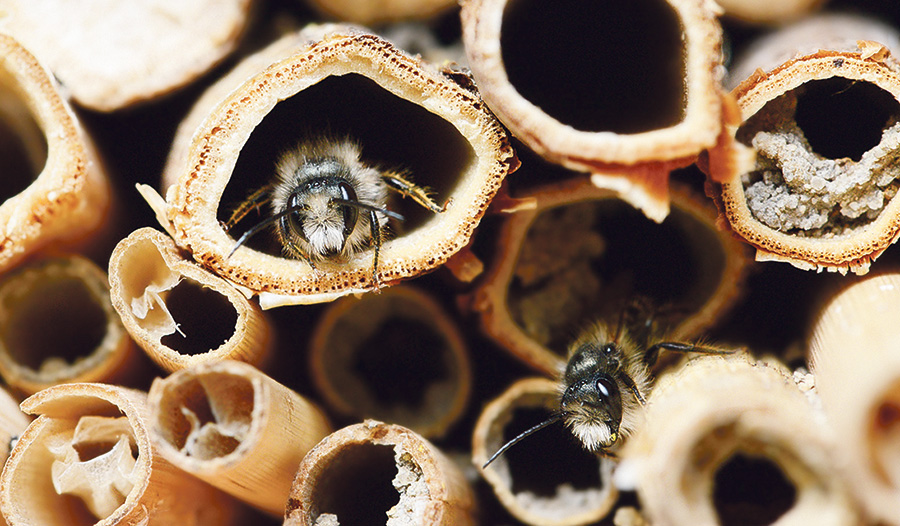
[
  {"x": 606, "y": 388},
  {"x": 294, "y": 222},
  {"x": 609, "y": 348},
  {"x": 351, "y": 213}
]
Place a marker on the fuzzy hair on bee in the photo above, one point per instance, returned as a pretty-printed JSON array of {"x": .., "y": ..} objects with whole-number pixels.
[{"x": 327, "y": 204}]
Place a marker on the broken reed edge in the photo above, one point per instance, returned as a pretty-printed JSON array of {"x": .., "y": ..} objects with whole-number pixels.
[
  {"x": 374, "y": 12},
  {"x": 433, "y": 490},
  {"x": 130, "y": 52},
  {"x": 491, "y": 298},
  {"x": 854, "y": 356},
  {"x": 77, "y": 283},
  {"x": 144, "y": 268},
  {"x": 711, "y": 409},
  {"x": 634, "y": 165},
  {"x": 260, "y": 432},
  {"x": 209, "y": 141},
  {"x": 69, "y": 199},
  {"x": 590, "y": 504},
  {"x": 161, "y": 493},
  {"x": 852, "y": 251},
  {"x": 335, "y": 367}
]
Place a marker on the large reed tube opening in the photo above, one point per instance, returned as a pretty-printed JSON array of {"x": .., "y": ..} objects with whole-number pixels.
[
  {"x": 357, "y": 487},
  {"x": 750, "y": 490},
  {"x": 598, "y": 65},
  {"x": 23, "y": 146},
  {"x": 206, "y": 319}
]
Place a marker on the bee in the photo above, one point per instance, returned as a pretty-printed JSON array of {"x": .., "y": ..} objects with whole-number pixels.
[
  {"x": 327, "y": 204},
  {"x": 604, "y": 386}
]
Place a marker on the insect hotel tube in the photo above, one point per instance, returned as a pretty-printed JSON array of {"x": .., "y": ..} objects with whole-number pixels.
[
  {"x": 333, "y": 82},
  {"x": 129, "y": 52},
  {"x": 396, "y": 356},
  {"x": 88, "y": 459},
  {"x": 854, "y": 357},
  {"x": 641, "y": 95},
  {"x": 371, "y": 12},
  {"x": 178, "y": 312},
  {"x": 568, "y": 260},
  {"x": 57, "y": 325},
  {"x": 53, "y": 186},
  {"x": 377, "y": 473},
  {"x": 775, "y": 12},
  {"x": 234, "y": 427},
  {"x": 728, "y": 440},
  {"x": 548, "y": 478},
  {"x": 808, "y": 173}
]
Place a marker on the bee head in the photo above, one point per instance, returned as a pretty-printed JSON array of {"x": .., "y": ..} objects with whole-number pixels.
[
  {"x": 592, "y": 406},
  {"x": 327, "y": 211}
]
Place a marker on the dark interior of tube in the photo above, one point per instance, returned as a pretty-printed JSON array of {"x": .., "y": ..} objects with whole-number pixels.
[
  {"x": 611, "y": 256},
  {"x": 393, "y": 134},
  {"x": 597, "y": 65},
  {"x": 563, "y": 460},
  {"x": 751, "y": 490},
  {"x": 58, "y": 318},
  {"x": 841, "y": 118},
  {"x": 357, "y": 486},
  {"x": 205, "y": 317},
  {"x": 21, "y": 165}
]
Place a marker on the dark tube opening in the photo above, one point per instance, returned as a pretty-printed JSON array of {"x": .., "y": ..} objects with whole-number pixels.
[
  {"x": 357, "y": 487},
  {"x": 205, "y": 318},
  {"x": 751, "y": 490}
]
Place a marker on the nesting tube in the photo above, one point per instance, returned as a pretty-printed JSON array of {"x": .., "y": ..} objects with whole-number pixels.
[
  {"x": 727, "y": 439},
  {"x": 624, "y": 90},
  {"x": 854, "y": 355},
  {"x": 396, "y": 356},
  {"x": 579, "y": 255},
  {"x": 178, "y": 312},
  {"x": 110, "y": 56},
  {"x": 374, "y": 473},
  {"x": 369, "y": 12},
  {"x": 808, "y": 173},
  {"x": 236, "y": 428},
  {"x": 333, "y": 82},
  {"x": 88, "y": 459},
  {"x": 548, "y": 478},
  {"x": 57, "y": 325},
  {"x": 53, "y": 185},
  {"x": 769, "y": 11}
]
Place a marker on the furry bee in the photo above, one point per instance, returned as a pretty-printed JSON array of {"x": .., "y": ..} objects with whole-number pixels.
[
  {"x": 327, "y": 204},
  {"x": 604, "y": 386}
]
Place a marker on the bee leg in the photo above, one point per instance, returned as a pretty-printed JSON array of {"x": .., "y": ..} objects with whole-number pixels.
[
  {"x": 408, "y": 188},
  {"x": 653, "y": 352},
  {"x": 629, "y": 382},
  {"x": 376, "y": 240},
  {"x": 254, "y": 200}
]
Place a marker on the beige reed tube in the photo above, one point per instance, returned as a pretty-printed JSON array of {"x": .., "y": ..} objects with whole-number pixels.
[
  {"x": 624, "y": 90},
  {"x": 548, "y": 478},
  {"x": 372, "y": 12},
  {"x": 110, "y": 55},
  {"x": 808, "y": 173},
  {"x": 558, "y": 267},
  {"x": 236, "y": 428},
  {"x": 179, "y": 312},
  {"x": 856, "y": 360},
  {"x": 52, "y": 186},
  {"x": 328, "y": 81},
  {"x": 376, "y": 473},
  {"x": 57, "y": 325},
  {"x": 728, "y": 439},
  {"x": 88, "y": 459},
  {"x": 396, "y": 356},
  {"x": 769, "y": 11}
]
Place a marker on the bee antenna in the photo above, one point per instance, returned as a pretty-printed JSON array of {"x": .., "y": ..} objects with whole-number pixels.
[
  {"x": 264, "y": 223},
  {"x": 555, "y": 417},
  {"x": 364, "y": 206}
]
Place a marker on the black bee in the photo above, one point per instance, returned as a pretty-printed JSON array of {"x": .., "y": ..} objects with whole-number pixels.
[
  {"x": 327, "y": 204},
  {"x": 604, "y": 386}
]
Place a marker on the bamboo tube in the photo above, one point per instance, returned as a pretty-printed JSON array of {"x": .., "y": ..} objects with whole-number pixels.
[
  {"x": 548, "y": 478},
  {"x": 373, "y": 12},
  {"x": 729, "y": 439},
  {"x": 562, "y": 263},
  {"x": 54, "y": 188},
  {"x": 641, "y": 93},
  {"x": 57, "y": 325},
  {"x": 396, "y": 356},
  {"x": 769, "y": 11},
  {"x": 110, "y": 55},
  {"x": 356, "y": 474},
  {"x": 234, "y": 427},
  {"x": 854, "y": 356},
  {"x": 88, "y": 459},
  {"x": 178, "y": 312},
  {"x": 807, "y": 172},
  {"x": 307, "y": 82}
]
